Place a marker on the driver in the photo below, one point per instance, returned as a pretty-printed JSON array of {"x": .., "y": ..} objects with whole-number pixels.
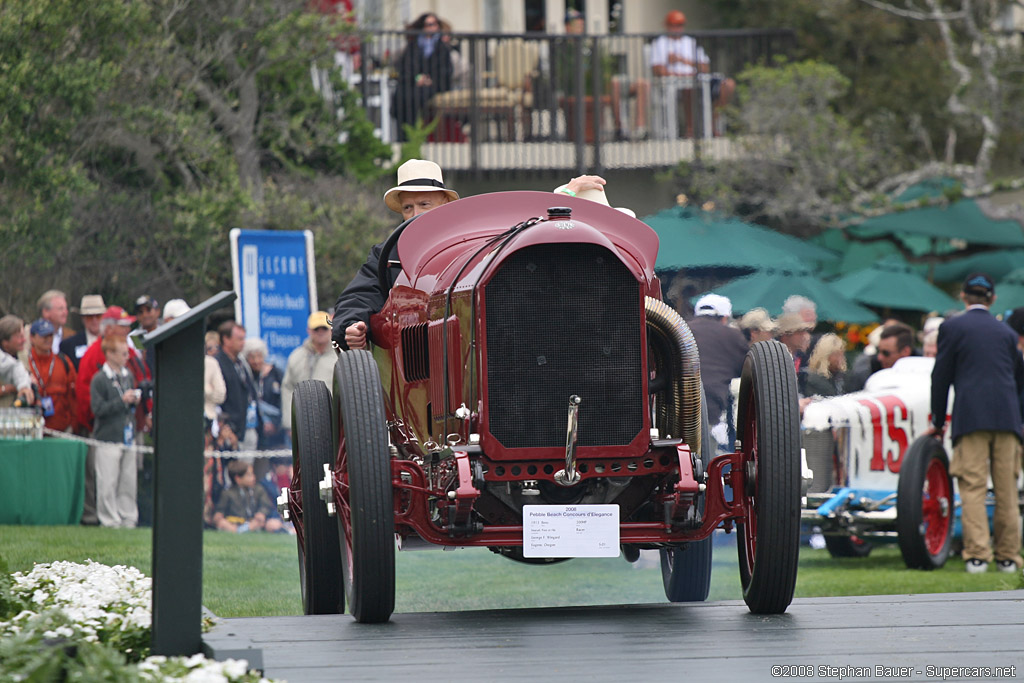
[{"x": 420, "y": 188}]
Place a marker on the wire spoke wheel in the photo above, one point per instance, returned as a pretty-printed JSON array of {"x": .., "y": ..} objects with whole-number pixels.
[
  {"x": 924, "y": 505},
  {"x": 768, "y": 483}
]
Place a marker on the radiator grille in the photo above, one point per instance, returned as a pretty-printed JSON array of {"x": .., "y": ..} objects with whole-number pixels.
[{"x": 564, "y": 319}]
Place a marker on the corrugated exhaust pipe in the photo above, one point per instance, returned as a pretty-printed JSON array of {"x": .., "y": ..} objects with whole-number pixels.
[{"x": 674, "y": 353}]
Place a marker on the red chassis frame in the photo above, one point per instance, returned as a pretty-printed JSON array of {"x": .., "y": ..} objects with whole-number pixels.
[{"x": 412, "y": 513}]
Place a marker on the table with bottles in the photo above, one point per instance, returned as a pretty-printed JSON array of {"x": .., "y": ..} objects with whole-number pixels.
[{"x": 42, "y": 480}]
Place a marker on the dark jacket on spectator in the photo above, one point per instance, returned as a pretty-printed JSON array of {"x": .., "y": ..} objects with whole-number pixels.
[
  {"x": 978, "y": 356},
  {"x": 241, "y": 389},
  {"x": 107, "y": 405},
  {"x": 722, "y": 351}
]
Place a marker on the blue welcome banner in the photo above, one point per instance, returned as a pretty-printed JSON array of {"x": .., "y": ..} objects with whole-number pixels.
[{"x": 275, "y": 279}]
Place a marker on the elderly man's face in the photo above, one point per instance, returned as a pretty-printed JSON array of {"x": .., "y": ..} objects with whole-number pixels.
[
  {"x": 255, "y": 359},
  {"x": 92, "y": 324},
  {"x": 796, "y": 341},
  {"x": 57, "y": 313},
  {"x": 415, "y": 203}
]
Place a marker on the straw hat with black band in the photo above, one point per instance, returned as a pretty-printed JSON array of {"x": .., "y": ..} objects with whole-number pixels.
[{"x": 417, "y": 175}]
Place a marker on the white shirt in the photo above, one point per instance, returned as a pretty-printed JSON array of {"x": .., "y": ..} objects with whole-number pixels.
[{"x": 682, "y": 46}]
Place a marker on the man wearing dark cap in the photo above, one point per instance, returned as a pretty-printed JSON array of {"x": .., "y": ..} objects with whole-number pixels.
[
  {"x": 978, "y": 356},
  {"x": 54, "y": 376},
  {"x": 147, "y": 312}
]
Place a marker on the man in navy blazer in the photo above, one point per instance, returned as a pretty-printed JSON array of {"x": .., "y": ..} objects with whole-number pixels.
[{"x": 978, "y": 357}]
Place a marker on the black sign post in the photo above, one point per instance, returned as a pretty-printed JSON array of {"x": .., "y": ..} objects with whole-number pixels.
[{"x": 178, "y": 480}]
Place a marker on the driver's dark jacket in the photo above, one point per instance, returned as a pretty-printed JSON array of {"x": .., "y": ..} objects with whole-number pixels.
[{"x": 362, "y": 298}]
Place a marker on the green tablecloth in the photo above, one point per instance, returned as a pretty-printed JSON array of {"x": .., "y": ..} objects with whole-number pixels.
[{"x": 42, "y": 482}]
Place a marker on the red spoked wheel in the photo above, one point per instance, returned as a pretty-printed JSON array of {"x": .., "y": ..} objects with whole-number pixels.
[
  {"x": 925, "y": 505},
  {"x": 768, "y": 483},
  {"x": 364, "y": 495},
  {"x": 312, "y": 446}
]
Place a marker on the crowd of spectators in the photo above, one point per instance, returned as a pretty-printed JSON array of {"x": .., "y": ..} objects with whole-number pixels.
[
  {"x": 824, "y": 364},
  {"x": 95, "y": 383},
  {"x": 978, "y": 356}
]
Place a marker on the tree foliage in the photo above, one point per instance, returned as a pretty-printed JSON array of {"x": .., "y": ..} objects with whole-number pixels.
[
  {"x": 904, "y": 90},
  {"x": 798, "y": 157},
  {"x": 137, "y": 133}
]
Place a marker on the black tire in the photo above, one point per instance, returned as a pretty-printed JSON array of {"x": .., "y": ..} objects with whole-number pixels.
[
  {"x": 847, "y": 546},
  {"x": 686, "y": 572},
  {"x": 768, "y": 429},
  {"x": 366, "y": 521},
  {"x": 924, "y": 505},
  {"x": 313, "y": 446}
]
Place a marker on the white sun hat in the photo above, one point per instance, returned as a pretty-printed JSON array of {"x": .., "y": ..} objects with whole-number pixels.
[{"x": 417, "y": 175}]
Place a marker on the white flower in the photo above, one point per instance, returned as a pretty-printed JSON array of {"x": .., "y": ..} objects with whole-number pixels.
[
  {"x": 235, "y": 668},
  {"x": 205, "y": 676},
  {"x": 109, "y": 604}
]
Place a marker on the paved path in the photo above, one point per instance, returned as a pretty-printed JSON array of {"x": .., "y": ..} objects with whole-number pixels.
[{"x": 718, "y": 641}]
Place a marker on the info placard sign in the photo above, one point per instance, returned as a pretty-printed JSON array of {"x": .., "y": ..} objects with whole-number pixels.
[
  {"x": 571, "y": 531},
  {"x": 275, "y": 280}
]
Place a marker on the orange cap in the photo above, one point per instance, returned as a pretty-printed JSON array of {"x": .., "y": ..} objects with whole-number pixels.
[{"x": 675, "y": 17}]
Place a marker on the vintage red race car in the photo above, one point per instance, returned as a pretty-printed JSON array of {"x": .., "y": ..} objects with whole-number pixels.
[{"x": 528, "y": 391}]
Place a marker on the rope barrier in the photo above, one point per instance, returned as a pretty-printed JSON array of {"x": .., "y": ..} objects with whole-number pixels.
[{"x": 278, "y": 453}]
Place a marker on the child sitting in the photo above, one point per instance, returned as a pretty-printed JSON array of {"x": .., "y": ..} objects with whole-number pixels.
[{"x": 245, "y": 506}]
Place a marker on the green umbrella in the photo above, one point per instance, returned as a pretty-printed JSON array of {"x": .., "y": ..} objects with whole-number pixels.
[
  {"x": 1009, "y": 292},
  {"x": 891, "y": 284},
  {"x": 859, "y": 255},
  {"x": 690, "y": 239},
  {"x": 961, "y": 220},
  {"x": 771, "y": 287},
  {"x": 997, "y": 263}
]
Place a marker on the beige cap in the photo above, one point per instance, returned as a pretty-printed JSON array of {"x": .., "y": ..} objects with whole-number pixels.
[
  {"x": 92, "y": 304},
  {"x": 789, "y": 323},
  {"x": 317, "y": 320},
  {"x": 757, "y": 319}
]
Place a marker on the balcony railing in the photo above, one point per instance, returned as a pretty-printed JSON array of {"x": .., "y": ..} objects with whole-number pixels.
[{"x": 537, "y": 101}]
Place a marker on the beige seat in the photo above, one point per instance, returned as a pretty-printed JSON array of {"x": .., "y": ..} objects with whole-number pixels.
[{"x": 509, "y": 99}]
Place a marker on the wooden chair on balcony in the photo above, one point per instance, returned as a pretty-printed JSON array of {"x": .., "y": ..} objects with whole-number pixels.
[{"x": 508, "y": 101}]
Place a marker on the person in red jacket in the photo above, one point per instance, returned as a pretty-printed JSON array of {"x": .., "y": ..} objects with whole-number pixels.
[
  {"x": 55, "y": 376},
  {"x": 115, "y": 322}
]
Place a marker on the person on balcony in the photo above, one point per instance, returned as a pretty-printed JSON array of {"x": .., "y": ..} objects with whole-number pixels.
[
  {"x": 568, "y": 70},
  {"x": 424, "y": 69},
  {"x": 676, "y": 59}
]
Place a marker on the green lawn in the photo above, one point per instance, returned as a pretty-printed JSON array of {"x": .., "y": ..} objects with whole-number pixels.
[{"x": 257, "y": 574}]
